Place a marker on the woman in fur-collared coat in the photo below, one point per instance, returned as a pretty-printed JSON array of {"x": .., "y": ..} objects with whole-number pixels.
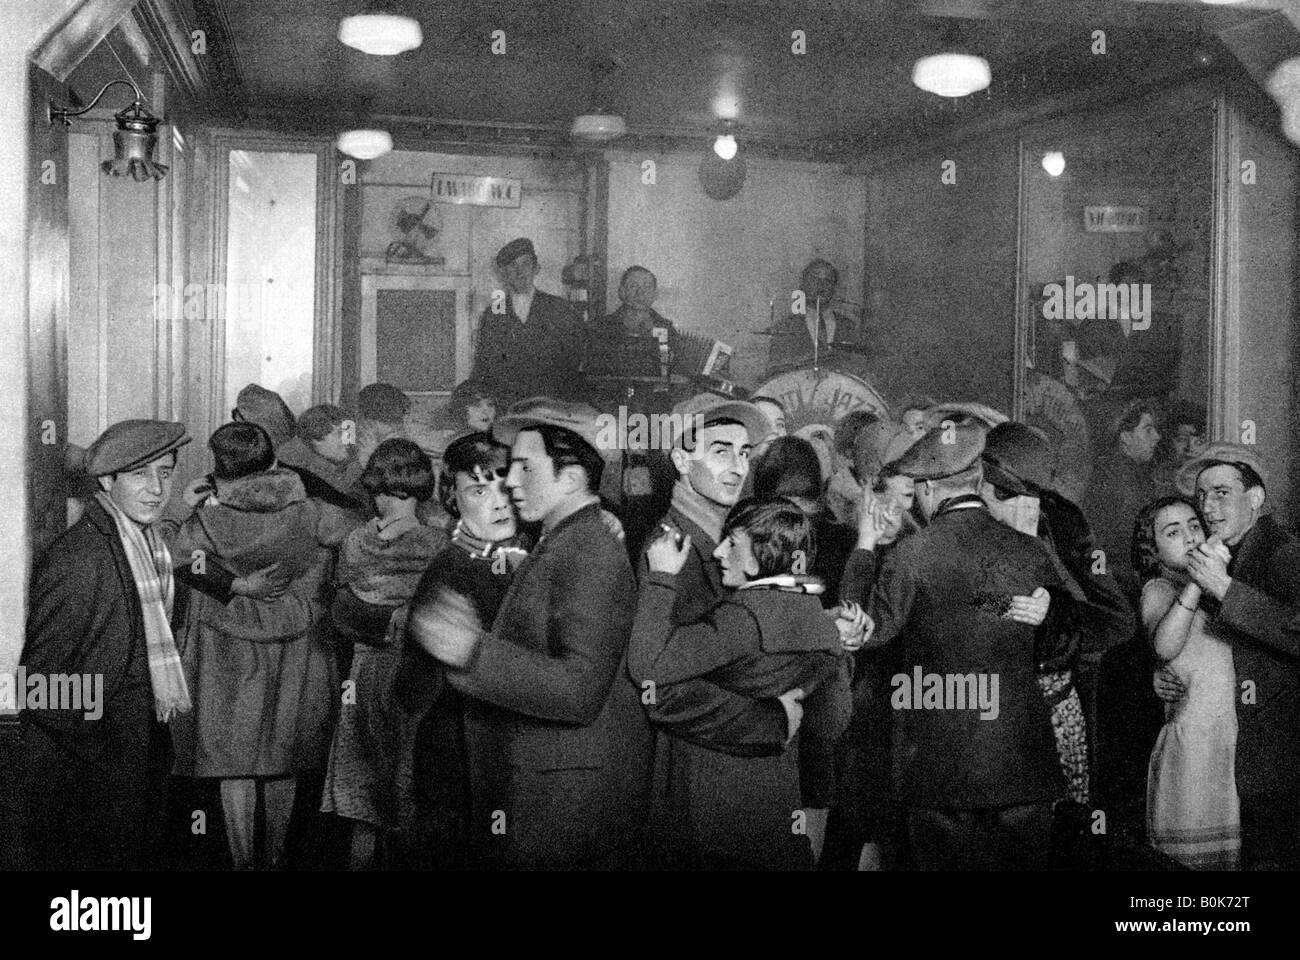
[{"x": 263, "y": 684}]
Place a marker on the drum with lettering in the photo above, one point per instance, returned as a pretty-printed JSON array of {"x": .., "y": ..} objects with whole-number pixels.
[
  {"x": 820, "y": 398},
  {"x": 1053, "y": 407}
]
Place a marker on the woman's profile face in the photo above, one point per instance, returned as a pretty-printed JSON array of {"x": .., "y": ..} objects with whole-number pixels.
[
  {"x": 1177, "y": 533},
  {"x": 480, "y": 414},
  {"x": 484, "y": 505}
]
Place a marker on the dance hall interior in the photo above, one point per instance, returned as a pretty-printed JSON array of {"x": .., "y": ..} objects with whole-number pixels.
[{"x": 699, "y": 434}]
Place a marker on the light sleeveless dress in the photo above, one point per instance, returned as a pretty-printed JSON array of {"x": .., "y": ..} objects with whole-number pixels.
[{"x": 1192, "y": 807}]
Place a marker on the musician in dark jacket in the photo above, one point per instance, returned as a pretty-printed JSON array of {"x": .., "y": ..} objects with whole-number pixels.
[
  {"x": 1259, "y": 589},
  {"x": 530, "y": 343},
  {"x": 974, "y": 759}
]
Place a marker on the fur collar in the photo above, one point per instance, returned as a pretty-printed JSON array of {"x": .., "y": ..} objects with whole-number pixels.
[{"x": 264, "y": 492}]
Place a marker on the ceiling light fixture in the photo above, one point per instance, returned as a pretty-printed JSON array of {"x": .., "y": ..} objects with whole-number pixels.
[
  {"x": 365, "y": 144},
  {"x": 380, "y": 34},
  {"x": 1054, "y": 163},
  {"x": 725, "y": 145},
  {"x": 133, "y": 141},
  {"x": 951, "y": 74},
  {"x": 597, "y": 125}
]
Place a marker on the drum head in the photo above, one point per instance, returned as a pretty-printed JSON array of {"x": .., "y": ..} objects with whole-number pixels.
[{"x": 821, "y": 397}]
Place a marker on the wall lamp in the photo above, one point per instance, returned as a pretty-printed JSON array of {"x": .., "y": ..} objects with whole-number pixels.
[{"x": 133, "y": 142}]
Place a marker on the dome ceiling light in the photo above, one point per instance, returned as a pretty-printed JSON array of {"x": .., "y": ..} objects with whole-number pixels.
[
  {"x": 365, "y": 144},
  {"x": 380, "y": 34}
]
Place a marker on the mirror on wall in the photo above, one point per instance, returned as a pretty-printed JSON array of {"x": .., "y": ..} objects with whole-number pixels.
[{"x": 1114, "y": 295}]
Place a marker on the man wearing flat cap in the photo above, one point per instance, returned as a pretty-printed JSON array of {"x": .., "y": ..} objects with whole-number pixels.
[
  {"x": 1250, "y": 566},
  {"x": 557, "y": 742},
  {"x": 975, "y": 763},
  {"x": 91, "y": 778},
  {"x": 529, "y": 343},
  {"x": 1019, "y": 489}
]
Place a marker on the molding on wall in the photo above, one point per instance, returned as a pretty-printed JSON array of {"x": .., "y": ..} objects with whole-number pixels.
[{"x": 72, "y": 39}]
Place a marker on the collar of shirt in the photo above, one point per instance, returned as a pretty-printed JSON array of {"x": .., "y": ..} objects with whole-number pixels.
[
  {"x": 828, "y": 321},
  {"x": 522, "y": 303}
]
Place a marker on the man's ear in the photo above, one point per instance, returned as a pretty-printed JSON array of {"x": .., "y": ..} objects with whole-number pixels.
[
  {"x": 681, "y": 460},
  {"x": 1256, "y": 495}
]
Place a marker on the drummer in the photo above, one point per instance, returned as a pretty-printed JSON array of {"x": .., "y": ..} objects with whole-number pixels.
[{"x": 795, "y": 337}]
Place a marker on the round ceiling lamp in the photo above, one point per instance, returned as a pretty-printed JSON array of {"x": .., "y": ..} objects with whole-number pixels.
[
  {"x": 598, "y": 127},
  {"x": 380, "y": 34},
  {"x": 1054, "y": 163},
  {"x": 721, "y": 179},
  {"x": 365, "y": 144},
  {"x": 725, "y": 146},
  {"x": 951, "y": 74}
]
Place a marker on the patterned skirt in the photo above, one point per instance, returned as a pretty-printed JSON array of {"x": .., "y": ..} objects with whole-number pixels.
[{"x": 1070, "y": 729}]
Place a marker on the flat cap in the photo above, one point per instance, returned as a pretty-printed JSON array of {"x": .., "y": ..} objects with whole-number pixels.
[
  {"x": 133, "y": 443},
  {"x": 267, "y": 409},
  {"x": 879, "y": 443},
  {"x": 514, "y": 249},
  {"x": 942, "y": 452},
  {"x": 1018, "y": 458},
  {"x": 710, "y": 409},
  {"x": 1217, "y": 453},
  {"x": 580, "y": 418}
]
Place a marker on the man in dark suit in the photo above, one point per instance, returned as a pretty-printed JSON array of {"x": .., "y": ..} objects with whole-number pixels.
[
  {"x": 1259, "y": 589},
  {"x": 975, "y": 763},
  {"x": 530, "y": 343},
  {"x": 558, "y": 745},
  {"x": 89, "y": 780}
]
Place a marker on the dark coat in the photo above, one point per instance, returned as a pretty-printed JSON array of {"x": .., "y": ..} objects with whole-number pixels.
[
  {"x": 723, "y": 809},
  {"x": 540, "y": 357},
  {"x": 557, "y": 742},
  {"x": 940, "y": 594},
  {"x": 699, "y": 711},
  {"x": 90, "y": 792},
  {"x": 1264, "y": 596},
  {"x": 1118, "y": 489}
]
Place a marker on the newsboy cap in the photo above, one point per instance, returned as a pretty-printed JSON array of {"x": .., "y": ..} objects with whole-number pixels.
[
  {"x": 133, "y": 443},
  {"x": 931, "y": 458},
  {"x": 1215, "y": 453},
  {"x": 580, "y": 418},
  {"x": 1018, "y": 458},
  {"x": 514, "y": 249},
  {"x": 710, "y": 408}
]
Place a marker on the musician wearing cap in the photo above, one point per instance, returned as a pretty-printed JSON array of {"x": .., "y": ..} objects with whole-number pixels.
[
  {"x": 557, "y": 743},
  {"x": 975, "y": 762},
  {"x": 1252, "y": 567},
  {"x": 90, "y": 783},
  {"x": 530, "y": 343}
]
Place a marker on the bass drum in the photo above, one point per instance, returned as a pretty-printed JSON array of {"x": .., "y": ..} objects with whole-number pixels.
[
  {"x": 1052, "y": 407},
  {"x": 816, "y": 400}
]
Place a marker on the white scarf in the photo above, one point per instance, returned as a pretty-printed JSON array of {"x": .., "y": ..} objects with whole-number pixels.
[{"x": 151, "y": 569}]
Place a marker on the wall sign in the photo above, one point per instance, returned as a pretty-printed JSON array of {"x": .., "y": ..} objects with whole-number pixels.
[
  {"x": 1109, "y": 219},
  {"x": 476, "y": 191}
]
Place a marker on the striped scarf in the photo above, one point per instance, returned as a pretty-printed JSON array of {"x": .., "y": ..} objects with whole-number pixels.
[{"x": 151, "y": 569}]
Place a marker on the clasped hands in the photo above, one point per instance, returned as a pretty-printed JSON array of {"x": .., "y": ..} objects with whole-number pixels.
[{"x": 1208, "y": 566}]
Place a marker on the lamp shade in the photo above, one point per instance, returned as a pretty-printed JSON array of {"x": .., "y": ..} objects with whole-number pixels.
[
  {"x": 365, "y": 144},
  {"x": 133, "y": 146},
  {"x": 598, "y": 127},
  {"x": 380, "y": 34},
  {"x": 951, "y": 74}
]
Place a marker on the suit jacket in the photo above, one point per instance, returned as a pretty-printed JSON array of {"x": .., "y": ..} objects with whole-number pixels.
[
  {"x": 940, "y": 594},
  {"x": 1264, "y": 595},
  {"x": 557, "y": 742},
  {"x": 539, "y": 357},
  {"x": 85, "y": 787}
]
